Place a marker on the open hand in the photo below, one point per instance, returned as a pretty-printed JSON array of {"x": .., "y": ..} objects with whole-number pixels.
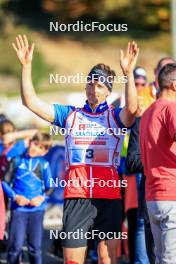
[
  {"x": 24, "y": 52},
  {"x": 128, "y": 59}
]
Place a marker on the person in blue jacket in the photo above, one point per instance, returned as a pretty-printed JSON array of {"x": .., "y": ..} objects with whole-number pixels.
[
  {"x": 27, "y": 183},
  {"x": 12, "y": 141}
]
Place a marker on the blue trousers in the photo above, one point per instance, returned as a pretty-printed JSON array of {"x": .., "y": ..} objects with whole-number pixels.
[
  {"x": 140, "y": 251},
  {"x": 140, "y": 245},
  {"x": 25, "y": 225}
]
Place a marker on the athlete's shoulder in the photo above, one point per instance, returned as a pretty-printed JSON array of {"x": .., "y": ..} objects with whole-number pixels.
[
  {"x": 64, "y": 108},
  {"x": 61, "y": 113}
]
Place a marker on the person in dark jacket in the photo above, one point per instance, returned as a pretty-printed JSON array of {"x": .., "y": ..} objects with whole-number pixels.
[
  {"x": 134, "y": 165},
  {"x": 139, "y": 245}
]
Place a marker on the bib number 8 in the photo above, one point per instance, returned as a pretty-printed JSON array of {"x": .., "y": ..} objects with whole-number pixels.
[{"x": 89, "y": 153}]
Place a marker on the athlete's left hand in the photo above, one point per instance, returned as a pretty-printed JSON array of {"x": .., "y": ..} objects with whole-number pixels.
[
  {"x": 36, "y": 201},
  {"x": 128, "y": 59}
]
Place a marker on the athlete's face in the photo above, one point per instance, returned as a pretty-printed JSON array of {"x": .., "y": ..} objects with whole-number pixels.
[
  {"x": 36, "y": 149},
  {"x": 96, "y": 93}
]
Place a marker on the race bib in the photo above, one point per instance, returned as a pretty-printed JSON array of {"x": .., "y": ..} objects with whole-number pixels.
[{"x": 89, "y": 155}]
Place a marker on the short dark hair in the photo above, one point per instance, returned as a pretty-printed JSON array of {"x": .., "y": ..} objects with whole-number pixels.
[
  {"x": 101, "y": 66},
  {"x": 160, "y": 62},
  {"x": 44, "y": 139},
  {"x": 166, "y": 76}
]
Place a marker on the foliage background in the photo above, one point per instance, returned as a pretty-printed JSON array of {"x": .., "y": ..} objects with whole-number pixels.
[{"x": 70, "y": 52}]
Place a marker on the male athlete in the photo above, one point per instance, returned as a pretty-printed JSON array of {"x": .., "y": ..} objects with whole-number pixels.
[{"x": 93, "y": 149}]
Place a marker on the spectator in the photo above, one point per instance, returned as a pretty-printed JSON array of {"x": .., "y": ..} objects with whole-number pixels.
[
  {"x": 158, "y": 152},
  {"x": 26, "y": 182}
]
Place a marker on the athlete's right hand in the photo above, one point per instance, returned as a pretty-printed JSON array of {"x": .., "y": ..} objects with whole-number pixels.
[
  {"x": 24, "y": 52},
  {"x": 21, "y": 200}
]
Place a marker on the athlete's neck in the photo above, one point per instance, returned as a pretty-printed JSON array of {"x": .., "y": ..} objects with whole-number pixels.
[
  {"x": 168, "y": 95},
  {"x": 93, "y": 107},
  {"x": 96, "y": 108}
]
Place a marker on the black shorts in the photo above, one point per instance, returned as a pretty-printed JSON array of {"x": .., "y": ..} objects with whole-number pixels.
[{"x": 87, "y": 219}]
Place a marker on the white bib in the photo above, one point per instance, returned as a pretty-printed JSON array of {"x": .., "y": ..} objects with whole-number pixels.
[{"x": 93, "y": 139}]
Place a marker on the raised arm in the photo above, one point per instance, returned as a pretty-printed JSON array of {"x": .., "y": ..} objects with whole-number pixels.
[
  {"x": 29, "y": 97},
  {"x": 127, "y": 63},
  {"x": 23, "y": 134}
]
